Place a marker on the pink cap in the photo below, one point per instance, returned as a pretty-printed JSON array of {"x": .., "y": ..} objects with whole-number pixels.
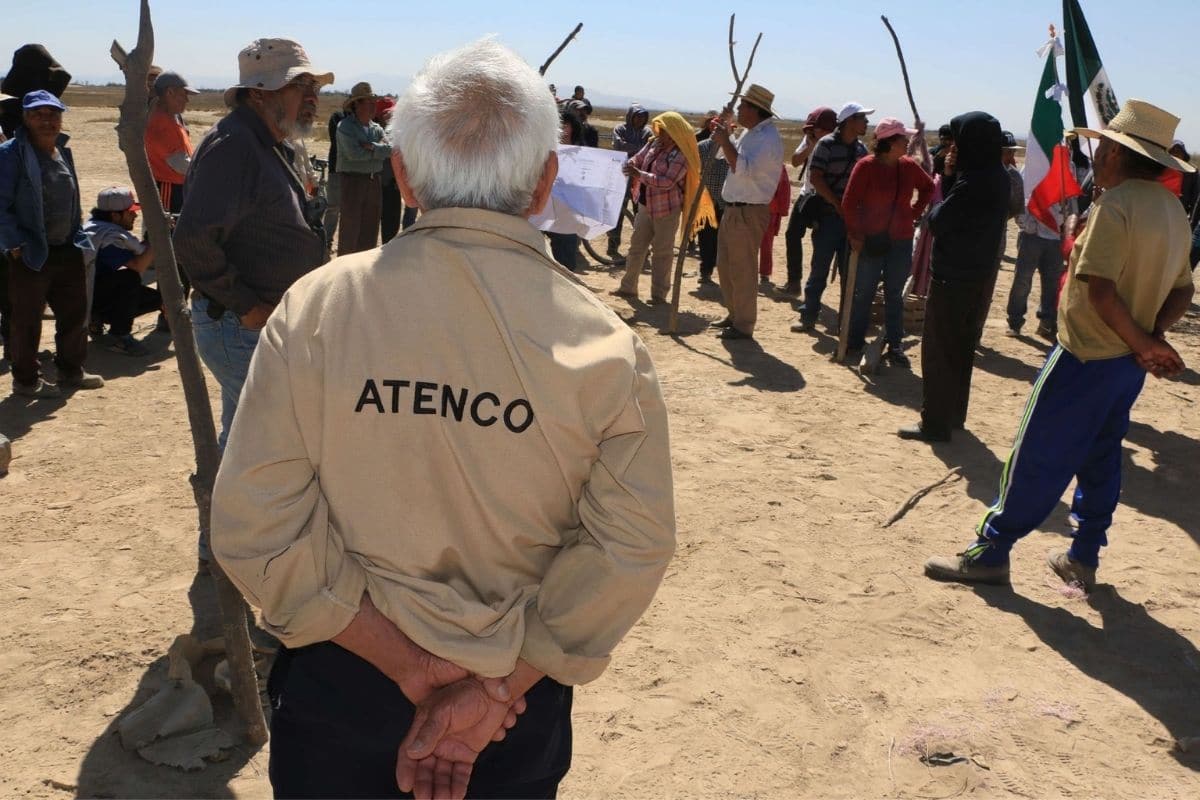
[{"x": 890, "y": 126}]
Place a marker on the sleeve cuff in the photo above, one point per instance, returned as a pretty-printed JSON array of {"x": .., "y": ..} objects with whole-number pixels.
[
  {"x": 543, "y": 652},
  {"x": 328, "y": 612}
]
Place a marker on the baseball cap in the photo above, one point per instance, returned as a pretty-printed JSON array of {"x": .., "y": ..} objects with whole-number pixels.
[
  {"x": 822, "y": 117},
  {"x": 1008, "y": 141},
  {"x": 888, "y": 127},
  {"x": 117, "y": 198},
  {"x": 41, "y": 98},
  {"x": 171, "y": 80},
  {"x": 850, "y": 109}
]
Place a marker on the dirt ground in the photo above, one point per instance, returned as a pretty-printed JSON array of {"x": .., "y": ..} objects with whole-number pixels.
[{"x": 794, "y": 650}]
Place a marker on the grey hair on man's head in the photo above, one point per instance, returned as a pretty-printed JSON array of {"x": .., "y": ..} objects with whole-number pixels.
[{"x": 475, "y": 128}]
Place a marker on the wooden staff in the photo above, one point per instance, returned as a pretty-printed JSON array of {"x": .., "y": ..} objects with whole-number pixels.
[
  {"x": 903, "y": 69},
  {"x": 847, "y": 307},
  {"x": 561, "y": 47},
  {"x": 739, "y": 81},
  {"x": 131, "y": 135}
]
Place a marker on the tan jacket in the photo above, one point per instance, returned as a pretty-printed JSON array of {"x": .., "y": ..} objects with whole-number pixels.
[{"x": 454, "y": 424}]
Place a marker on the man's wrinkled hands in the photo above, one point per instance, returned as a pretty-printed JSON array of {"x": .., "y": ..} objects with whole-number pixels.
[
  {"x": 426, "y": 674},
  {"x": 450, "y": 728}
]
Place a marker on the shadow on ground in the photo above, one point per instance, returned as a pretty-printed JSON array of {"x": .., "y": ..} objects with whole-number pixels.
[
  {"x": 20, "y": 414},
  {"x": 108, "y": 770},
  {"x": 1132, "y": 652}
]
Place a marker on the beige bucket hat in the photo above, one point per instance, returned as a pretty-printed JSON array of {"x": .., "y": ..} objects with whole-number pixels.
[
  {"x": 758, "y": 96},
  {"x": 1146, "y": 129},
  {"x": 271, "y": 64},
  {"x": 360, "y": 91}
]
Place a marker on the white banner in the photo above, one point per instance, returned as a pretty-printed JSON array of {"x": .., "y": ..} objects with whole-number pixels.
[{"x": 587, "y": 194}]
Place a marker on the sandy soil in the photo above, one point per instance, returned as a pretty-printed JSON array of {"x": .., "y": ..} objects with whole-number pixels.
[{"x": 794, "y": 650}]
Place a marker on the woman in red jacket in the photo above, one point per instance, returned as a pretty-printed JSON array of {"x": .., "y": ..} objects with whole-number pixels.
[{"x": 880, "y": 211}]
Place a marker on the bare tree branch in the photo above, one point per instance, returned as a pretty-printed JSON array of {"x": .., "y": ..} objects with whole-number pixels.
[
  {"x": 685, "y": 235},
  {"x": 131, "y": 134}
]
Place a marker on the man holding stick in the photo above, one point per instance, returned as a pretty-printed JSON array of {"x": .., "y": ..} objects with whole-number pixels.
[
  {"x": 754, "y": 162},
  {"x": 448, "y": 535},
  {"x": 1129, "y": 282}
]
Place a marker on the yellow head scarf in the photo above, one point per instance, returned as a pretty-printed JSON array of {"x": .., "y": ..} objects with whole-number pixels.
[{"x": 684, "y": 136}]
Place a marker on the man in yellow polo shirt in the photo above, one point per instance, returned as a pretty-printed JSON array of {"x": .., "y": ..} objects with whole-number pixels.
[{"x": 1129, "y": 283}]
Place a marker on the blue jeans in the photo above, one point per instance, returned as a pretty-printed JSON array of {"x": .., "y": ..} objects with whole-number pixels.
[
  {"x": 828, "y": 242},
  {"x": 894, "y": 267},
  {"x": 1044, "y": 256},
  {"x": 1074, "y": 422},
  {"x": 226, "y": 349}
]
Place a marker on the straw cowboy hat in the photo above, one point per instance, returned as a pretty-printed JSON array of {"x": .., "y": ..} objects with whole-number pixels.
[
  {"x": 758, "y": 96},
  {"x": 361, "y": 91},
  {"x": 1145, "y": 129},
  {"x": 271, "y": 64}
]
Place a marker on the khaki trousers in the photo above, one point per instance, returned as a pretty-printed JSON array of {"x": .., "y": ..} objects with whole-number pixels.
[
  {"x": 657, "y": 235},
  {"x": 738, "y": 241}
]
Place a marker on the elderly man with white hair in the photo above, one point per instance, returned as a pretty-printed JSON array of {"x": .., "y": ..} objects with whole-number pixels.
[{"x": 448, "y": 486}]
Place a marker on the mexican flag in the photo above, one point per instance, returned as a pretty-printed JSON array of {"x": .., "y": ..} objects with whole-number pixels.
[
  {"x": 1085, "y": 72},
  {"x": 1049, "y": 179}
]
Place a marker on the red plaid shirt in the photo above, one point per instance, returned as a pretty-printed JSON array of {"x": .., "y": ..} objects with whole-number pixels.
[{"x": 662, "y": 173}]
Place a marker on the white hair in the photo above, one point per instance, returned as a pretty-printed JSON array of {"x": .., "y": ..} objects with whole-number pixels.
[{"x": 475, "y": 128}]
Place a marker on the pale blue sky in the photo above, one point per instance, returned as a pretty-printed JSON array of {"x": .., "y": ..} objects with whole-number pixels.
[{"x": 961, "y": 55}]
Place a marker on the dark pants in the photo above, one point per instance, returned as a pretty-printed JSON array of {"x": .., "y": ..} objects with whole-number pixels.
[
  {"x": 410, "y": 216},
  {"x": 1074, "y": 422},
  {"x": 614, "y": 235},
  {"x": 5, "y": 304},
  {"x": 564, "y": 247},
  {"x": 794, "y": 239},
  {"x": 338, "y": 722},
  {"x": 948, "y": 353},
  {"x": 390, "y": 205},
  {"x": 358, "y": 227},
  {"x": 120, "y": 297},
  {"x": 62, "y": 285},
  {"x": 829, "y": 243},
  {"x": 893, "y": 267},
  {"x": 707, "y": 239},
  {"x": 1043, "y": 256}
]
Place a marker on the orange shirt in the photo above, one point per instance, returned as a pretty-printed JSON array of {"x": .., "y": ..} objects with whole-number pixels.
[{"x": 165, "y": 135}]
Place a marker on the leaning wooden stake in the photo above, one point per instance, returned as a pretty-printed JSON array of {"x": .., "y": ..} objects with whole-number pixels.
[
  {"x": 685, "y": 233},
  {"x": 131, "y": 137},
  {"x": 561, "y": 47},
  {"x": 847, "y": 307}
]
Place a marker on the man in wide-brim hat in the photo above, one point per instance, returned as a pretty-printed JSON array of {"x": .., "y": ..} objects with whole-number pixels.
[
  {"x": 754, "y": 163},
  {"x": 1129, "y": 282},
  {"x": 363, "y": 153}
]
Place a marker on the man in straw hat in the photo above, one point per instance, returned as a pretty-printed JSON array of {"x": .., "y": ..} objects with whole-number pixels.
[
  {"x": 1129, "y": 282},
  {"x": 666, "y": 176},
  {"x": 417, "y": 522},
  {"x": 246, "y": 231},
  {"x": 363, "y": 153},
  {"x": 754, "y": 162}
]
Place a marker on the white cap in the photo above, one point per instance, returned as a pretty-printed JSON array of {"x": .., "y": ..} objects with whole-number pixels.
[{"x": 850, "y": 109}]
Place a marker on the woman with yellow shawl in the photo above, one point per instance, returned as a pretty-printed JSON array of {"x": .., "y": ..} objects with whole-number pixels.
[{"x": 666, "y": 177}]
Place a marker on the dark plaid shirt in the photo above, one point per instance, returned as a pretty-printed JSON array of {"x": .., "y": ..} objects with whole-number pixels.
[
  {"x": 714, "y": 175},
  {"x": 242, "y": 237},
  {"x": 836, "y": 159}
]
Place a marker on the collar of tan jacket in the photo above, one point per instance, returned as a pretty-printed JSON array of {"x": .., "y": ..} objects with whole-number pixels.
[{"x": 507, "y": 226}]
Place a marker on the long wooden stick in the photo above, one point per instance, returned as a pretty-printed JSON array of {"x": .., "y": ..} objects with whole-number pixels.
[
  {"x": 903, "y": 68},
  {"x": 847, "y": 307},
  {"x": 131, "y": 135},
  {"x": 561, "y": 47},
  {"x": 685, "y": 232}
]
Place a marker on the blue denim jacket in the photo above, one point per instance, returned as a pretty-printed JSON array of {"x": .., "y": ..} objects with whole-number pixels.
[{"x": 22, "y": 218}]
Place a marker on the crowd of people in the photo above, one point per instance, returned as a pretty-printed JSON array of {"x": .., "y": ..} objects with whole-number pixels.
[{"x": 502, "y": 588}]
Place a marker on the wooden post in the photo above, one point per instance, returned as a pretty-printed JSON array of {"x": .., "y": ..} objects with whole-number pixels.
[
  {"x": 131, "y": 130},
  {"x": 739, "y": 80},
  {"x": 846, "y": 307}
]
